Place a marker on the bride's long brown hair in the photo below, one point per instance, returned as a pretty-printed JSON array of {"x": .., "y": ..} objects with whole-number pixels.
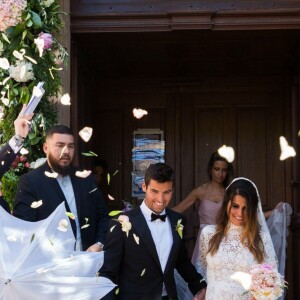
[{"x": 251, "y": 234}]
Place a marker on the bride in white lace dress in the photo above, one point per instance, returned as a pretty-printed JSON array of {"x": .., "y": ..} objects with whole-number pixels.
[{"x": 239, "y": 240}]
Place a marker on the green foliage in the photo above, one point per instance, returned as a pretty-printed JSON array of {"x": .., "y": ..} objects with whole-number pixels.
[
  {"x": 38, "y": 17},
  {"x": 9, "y": 186}
]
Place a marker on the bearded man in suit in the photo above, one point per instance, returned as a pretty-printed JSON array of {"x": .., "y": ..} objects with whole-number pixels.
[
  {"x": 58, "y": 181},
  {"x": 145, "y": 245}
]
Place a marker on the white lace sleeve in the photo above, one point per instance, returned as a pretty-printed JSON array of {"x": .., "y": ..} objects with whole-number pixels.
[
  {"x": 270, "y": 256},
  {"x": 205, "y": 237}
]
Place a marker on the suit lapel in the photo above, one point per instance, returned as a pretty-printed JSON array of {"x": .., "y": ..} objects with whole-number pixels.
[
  {"x": 176, "y": 238},
  {"x": 140, "y": 225},
  {"x": 76, "y": 188},
  {"x": 61, "y": 197}
]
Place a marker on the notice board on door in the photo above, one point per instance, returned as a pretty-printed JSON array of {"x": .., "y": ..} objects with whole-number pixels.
[{"x": 148, "y": 148}]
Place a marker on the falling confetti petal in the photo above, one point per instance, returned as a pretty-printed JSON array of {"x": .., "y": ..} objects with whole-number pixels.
[
  {"x": 85, "y": 226},
  {"x": 286, "y": 150},
  {"x": 108, "y": 178},
  {"x": 11, "y": 238},
  {"x": 24, "y": 151},
  {"x": 70, "y": 215},
  {"x": 93, "y": 190},
  {"x": 112, "y": 228},
  {"x": 51, "y": 174},
  {"x": 83, "y": 174},
  {"x": 137, "y": 239},
  {"x": 227, "y": 152},
  {"x": 36, "y": 204},
  {"x": 90, "y": 153},
  {"x": 86, "y": 133},
  {"x": 143, "y": 272},
  {"x": 65, "y": 99},
  {"x": 63, "y": 225},
  {"x": 139, "y": 113},
  {"x": 114, "y": 213},
  {"x": 110, "y": 197},
  {"x": 115, "y": 172}
]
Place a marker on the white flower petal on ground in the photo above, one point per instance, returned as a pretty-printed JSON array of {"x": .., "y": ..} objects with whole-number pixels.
[
  {"x": 86, "y": 133},
  {"x": 51, "y": 174},
  {"x": 4, "y": 64},
  {"x": 63, "y": 225},
  {"x": 83, "y": 174},
  {"x": 286, "y": 150},
  {"x": 227, "y": 152},
  {"x": 243, "y": 278},
  {"x": 65, "y": 99},
  {"x": 139, "y": 113},
  {"x": 36, "y": 204},
  {"x": 24, "y": 151}
]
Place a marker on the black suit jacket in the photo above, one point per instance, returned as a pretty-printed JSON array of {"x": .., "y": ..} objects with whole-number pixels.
[
  {"x": 7, "y": 156},
  {"x": 136, "y": 267},
  {"x": 35, "y": 186}
]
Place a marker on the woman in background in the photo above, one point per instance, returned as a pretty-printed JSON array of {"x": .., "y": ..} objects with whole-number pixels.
[{"x": 210, "y": 195}]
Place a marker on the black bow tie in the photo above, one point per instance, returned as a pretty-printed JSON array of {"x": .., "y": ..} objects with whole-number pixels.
[{"x": 155, "y": 217}]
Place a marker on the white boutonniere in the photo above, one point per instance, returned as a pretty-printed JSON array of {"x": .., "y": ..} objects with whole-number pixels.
[
  {"x": 126, "y": 225},
  {"x": 179, "y": 227}
]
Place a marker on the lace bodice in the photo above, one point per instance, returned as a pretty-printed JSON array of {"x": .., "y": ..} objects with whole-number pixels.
[{"x": 231, "y": 257}]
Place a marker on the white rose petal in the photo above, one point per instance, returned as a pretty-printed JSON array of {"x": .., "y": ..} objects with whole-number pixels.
[
  {"x": 227, "y": 152},
  {"x": 83, "y": 174},
  {"x": 19, "y": 55},
  {"x": 63, "y": 225},
  {"x": 85, "y": 226},
  {"x": 24, "y": 151},
  {"x": 11, "y": 238},
  {"x": 36, "y": 204},
  {"x": 86, "y": 133},
  {"x": 110, "y": 197},
  {"x": 137, "y": 239},
  {"x": 51, "y": 174},
  {"x": 37, "y": 163},
  {"x": 286, "y": 150},
  {"x": 65, "y": 99},
  {"x": 139, "y": 113}
]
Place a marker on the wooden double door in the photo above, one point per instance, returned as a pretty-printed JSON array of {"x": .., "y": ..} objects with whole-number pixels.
[{"x": 248, "y": 114}]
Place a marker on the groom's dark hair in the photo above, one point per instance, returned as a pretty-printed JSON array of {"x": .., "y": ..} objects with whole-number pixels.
[{"x": 159, "y": 172}]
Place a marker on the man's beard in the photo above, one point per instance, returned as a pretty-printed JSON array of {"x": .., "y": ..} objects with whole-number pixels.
[{"x": 56, "y": 167}]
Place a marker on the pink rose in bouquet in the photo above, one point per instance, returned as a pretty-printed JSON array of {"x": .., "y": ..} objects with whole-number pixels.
[{"x": 266, "y": 282}]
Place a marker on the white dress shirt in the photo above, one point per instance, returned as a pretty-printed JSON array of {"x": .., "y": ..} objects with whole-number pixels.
[
  {"x": 162, "y": 236},
  {"x": 67, "y": 188}
]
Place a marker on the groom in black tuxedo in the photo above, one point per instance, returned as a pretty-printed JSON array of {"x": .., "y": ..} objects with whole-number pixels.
[{"x": 145, "y": 245}]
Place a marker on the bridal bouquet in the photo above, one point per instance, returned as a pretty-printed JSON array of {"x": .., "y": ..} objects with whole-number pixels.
[{"x": 264, "y": 282}]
